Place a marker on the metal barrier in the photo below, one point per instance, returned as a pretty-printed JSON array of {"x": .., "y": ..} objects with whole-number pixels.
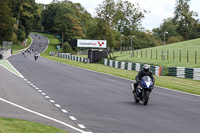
[{"x": 131, "y": 66}]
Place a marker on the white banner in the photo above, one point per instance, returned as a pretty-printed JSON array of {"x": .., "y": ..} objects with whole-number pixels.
[{"x": 91, "y": 43}]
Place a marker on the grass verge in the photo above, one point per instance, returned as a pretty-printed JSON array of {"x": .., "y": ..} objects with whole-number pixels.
[
  {"x": 20, "y": 126},
  {"x": 185, "y": 85},
  {"x": 17, "y": 47}
]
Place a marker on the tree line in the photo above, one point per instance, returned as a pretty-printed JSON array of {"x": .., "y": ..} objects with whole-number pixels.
[
  {"x": 17, "y": 19},
  {"x": 182, "y": 26},
  {"x": 118, "y": 22}
]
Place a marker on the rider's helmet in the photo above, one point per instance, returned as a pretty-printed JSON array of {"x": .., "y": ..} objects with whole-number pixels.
[{"x": 146, "y": 69}]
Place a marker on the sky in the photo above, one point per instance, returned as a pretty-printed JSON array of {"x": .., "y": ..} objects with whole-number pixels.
[{"x": 158, "y": 9}]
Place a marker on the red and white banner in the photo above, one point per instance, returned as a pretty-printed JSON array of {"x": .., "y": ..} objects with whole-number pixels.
[{"x": 91, "y": 43}]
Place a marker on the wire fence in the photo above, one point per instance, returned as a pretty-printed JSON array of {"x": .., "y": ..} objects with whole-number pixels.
[
  {"x": 170, "y": 55},
  {"x": 6, "y": 45},
  {"x": 188, "y": 56}
]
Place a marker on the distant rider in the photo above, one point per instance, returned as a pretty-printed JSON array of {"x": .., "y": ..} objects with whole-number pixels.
[
  {"x": 144, "y": 72},
  {"x": 32, "y": 48},
  {"x": 36, "y": 55}
]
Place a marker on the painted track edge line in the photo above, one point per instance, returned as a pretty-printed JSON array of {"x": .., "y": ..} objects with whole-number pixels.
[
  {"x": 123, "y": 78},
  {"x": 11, "y": 71},
  {"x": 42, "y": 115},
  {"x": 15, "y": 69}
]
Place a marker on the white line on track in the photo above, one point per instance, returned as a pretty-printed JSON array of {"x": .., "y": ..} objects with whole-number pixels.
[
  {"x": 42, "y": 115},
  {"x": 43, "y": 94},
  {"x": 52, "y": 101},
  {"x": 72, "y": 118},
  {"x": 47, "y": 97},
  {"x": 19, "y": 74},
  {"x": 39, "y": 90},
  {"x": 57, "y": 105},
  {"x": 81, "y": 126},
  {"x": 36, "y": 88},
  {"x": 64, "y": 111}
]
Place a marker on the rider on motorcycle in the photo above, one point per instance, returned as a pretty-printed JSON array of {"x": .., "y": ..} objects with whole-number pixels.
[
  {"x": 144, "y": 72},
  {"x": 36, "y": 56}
]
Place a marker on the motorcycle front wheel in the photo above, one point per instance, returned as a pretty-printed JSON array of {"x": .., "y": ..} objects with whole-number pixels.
[
  {"x": 146, "y": 97},
  {"x": 135, "y": 98}
]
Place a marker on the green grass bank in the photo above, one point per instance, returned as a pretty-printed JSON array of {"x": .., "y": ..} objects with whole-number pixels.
[
  {"x": 182, "y": 54},
  {"x": 8, "y": 125},
  {"x": 17, "y": 47}
]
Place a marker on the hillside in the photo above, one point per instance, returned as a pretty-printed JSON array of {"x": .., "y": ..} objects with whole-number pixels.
[{"x": 182, "y": 54}]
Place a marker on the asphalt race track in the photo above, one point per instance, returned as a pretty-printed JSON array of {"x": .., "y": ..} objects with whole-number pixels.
[{"x": 103, "y": 103}]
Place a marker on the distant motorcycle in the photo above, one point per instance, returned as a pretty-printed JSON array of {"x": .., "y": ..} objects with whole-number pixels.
[
  {"x": 40, "y": 44},
  {"x": 143, "y": 90},
  {"x": 36, "y": 56}
]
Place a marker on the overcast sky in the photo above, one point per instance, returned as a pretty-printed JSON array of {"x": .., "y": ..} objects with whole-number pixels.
[{"x": 159, "y": 9}]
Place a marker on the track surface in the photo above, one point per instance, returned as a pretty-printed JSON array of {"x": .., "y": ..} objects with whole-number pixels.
[{"x": 104, "y": 103}]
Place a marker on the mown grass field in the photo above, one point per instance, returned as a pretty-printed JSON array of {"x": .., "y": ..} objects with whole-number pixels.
[
  {"x": 172, "y": 54},
  {"x": 163, "y": 81},
  {"x": 20, "y": 126}
]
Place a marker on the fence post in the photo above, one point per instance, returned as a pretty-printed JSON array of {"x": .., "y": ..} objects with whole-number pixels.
[
  {"x": 195, "y": 57},
  {"x": 180, "y": 56},
  {"x": 173, "y": 55},
  {"x": 156, "y": 54},
  {"x": 151, "y": 53},
  {"x": 141, "y": 53},
  {"x": 146, "y": 53},
  {"x": 187, "y": 57},
  {"x": 167, "y": 54},
  {"x": 162, "y": 55}
]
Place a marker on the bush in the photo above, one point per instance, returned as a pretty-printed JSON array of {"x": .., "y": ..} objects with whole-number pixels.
[
  {"x": 175, "y": 39},
  {"x": 67, "y": 48}
]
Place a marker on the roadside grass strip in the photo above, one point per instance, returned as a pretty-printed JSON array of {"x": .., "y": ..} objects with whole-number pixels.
[
  {"x": 6, "y": 64},
  {"x": 21, "y": 126}
]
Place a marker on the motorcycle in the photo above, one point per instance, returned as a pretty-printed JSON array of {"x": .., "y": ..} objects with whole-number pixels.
[
  {"x": 143, "y": 90},
  {"x": 36, "y": 56}
]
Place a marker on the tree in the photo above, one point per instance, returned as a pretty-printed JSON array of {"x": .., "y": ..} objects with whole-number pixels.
[
  {"x": 128, "y": 16},
  {"x": 122, "y": 17},
  {"x": 60, "y": 18},
  {"x": 166, "y": 26},
  {"x": 6, "y": 22},
  {"x": 184, "y": 20}
]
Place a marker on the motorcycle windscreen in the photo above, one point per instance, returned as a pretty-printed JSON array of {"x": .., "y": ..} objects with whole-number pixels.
[{"x": 147, "y": 78}]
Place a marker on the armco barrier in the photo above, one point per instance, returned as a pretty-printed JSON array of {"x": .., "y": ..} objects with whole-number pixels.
[
  {"x": 70, "y": 57},
  {"x": 182, "y": 72},
  {"x": 131, "y": 66}
]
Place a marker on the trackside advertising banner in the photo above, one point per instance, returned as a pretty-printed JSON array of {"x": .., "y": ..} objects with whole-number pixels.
[{"x": 91, "y": 43}]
